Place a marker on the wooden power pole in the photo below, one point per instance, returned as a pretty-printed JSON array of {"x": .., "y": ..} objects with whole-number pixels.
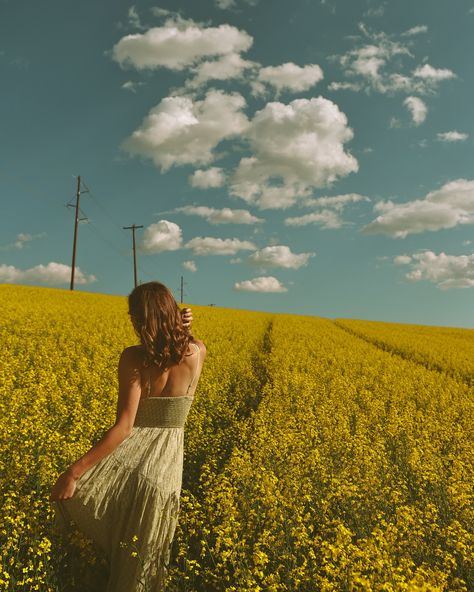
[
  {"x": 182, "y": 289},
  {"x": 133, "y": 227},
  {"x": 78, "y": 195}
]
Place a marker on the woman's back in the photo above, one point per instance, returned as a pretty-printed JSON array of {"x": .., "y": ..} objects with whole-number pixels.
[{"x": 178, "y": 380}]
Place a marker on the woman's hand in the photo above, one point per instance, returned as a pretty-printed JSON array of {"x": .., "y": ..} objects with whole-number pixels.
[
  {"x": 187, "y": 317},
  {"x": 63, "y": 488}
]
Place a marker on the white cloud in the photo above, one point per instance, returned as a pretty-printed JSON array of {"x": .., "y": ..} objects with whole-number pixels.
[
  {"x": 131, "y": 86},
  {"x": 218, "y": 246},
  {"x": 417, "y": 108},
  {"x": 221, "y": 216},
  {"x": 162, "y": 12},
  {"x": 452, "y": 136},
  {"x": 190, "y": 266},
  {"x": 232, "y": 4},
  {"x": 375, "y": 66},
  {"x": 51, "y": 274},
  {"x": 376, "y": 11},
  {"x": 325, "y": 218},
  {"x": 427, "y": 72},
  {"x": 446, "y": 207},
  {"x": 179, "y": 44},
  {"x": 225, "y": 4},
  {"x": 446, "y": 271},
  {"x": 22, "y": 239},
  {"x": 212, "y": 177},
  {"x": 402, "y": 259},
  {"x": 260, "y": 284},
  {"x": 290, "y": 76},
  {"x": 415, "y": 31},
  {"x": 181, "y": 131},
  {"x": 161, "y": 236},
  {"x": 338, "y": 202},
  {"x": 279, "y": 256},
  {"x": 345, "y": 86},
  {"x": 226, "y": 67},
  {"x": 301, "y": 144},
  {"x": 134, "y": 19}
]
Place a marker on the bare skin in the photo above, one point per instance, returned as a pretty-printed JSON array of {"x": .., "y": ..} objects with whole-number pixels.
[{"x": 132, "y": 378}]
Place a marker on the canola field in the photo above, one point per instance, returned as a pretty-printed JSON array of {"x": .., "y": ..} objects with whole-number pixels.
[{"x": 319, "y": 455}]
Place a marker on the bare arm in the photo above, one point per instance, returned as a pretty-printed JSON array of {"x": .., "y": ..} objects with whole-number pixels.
[{"x": 128, "y": 399}]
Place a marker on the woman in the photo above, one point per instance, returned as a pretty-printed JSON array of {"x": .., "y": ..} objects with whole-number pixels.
[{"x": 126, "y": 488}]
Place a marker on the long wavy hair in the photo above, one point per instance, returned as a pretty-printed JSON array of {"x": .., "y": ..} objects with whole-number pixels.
[{"x": 156, "y": 318}]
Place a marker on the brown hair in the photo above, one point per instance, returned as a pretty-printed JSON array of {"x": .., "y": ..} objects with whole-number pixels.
[{"x": 157, "y": 321}]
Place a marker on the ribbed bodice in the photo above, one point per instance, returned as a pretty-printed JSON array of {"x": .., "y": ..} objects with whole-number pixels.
[{"x": 163, "y": 412}]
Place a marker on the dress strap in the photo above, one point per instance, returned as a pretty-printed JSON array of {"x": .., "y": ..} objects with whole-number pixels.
[{"x": 197, "y": 366}]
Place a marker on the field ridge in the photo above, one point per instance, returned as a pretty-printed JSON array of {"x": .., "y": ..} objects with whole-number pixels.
[{"x": 406, "y": 355}]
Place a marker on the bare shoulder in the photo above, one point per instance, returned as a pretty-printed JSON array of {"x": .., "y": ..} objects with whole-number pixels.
[
  {"x": 132, "y": 354},
  {"x": 201, "y": 345}
]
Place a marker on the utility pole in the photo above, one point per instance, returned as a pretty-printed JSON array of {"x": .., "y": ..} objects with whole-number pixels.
[
  {"x": 181, "y": 289},
  {"x": 133, "y": 227},
  {"x": 78, "y": 195}
]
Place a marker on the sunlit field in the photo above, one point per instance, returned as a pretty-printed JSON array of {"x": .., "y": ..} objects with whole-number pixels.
[{"x": 319, "y": 455}]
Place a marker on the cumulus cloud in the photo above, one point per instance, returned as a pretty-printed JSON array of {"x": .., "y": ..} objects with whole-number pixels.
[
  {"x": 446, "y": 271},
  {"x": 204, "y": 179},
  {"x": 221, "y": 216},
  {"x": 376, "y": 64},
  {"x": 190, "y": 266},
  {"x": 301, "y": 144},
  {"x": 161, "y": 236},
  {"x": 288, "y": 76},
  {"x": 178, "y": 44},
  {"x": 181, "y": 131},
  {"x": 208, "y": 53},
  {"x": 260, "y": 284},
  {"x": 51, "y": 274},
  {"x": 279, "y": 256},
  {"x": 208, "y": 245},
  {"x": 446, "y": 207},
  {"x": 417, "y": 108},
  {"x": 452, "y": 136}
]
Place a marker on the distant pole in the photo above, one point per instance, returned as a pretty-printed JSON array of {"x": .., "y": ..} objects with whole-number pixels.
[
  {"x": 182, "y": 289},
  {"x": 78, "y": 195},
  {"x": 133, "y": 227}
]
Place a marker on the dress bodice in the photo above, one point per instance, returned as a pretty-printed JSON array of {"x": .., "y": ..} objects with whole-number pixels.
[{"x": 166, "y": 412}]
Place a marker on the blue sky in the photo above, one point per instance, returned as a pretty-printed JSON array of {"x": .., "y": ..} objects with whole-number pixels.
[{"x": 312, "y": 157}]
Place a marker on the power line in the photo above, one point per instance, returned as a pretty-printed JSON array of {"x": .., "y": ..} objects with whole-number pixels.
[{"x": 114, "y": 223}]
